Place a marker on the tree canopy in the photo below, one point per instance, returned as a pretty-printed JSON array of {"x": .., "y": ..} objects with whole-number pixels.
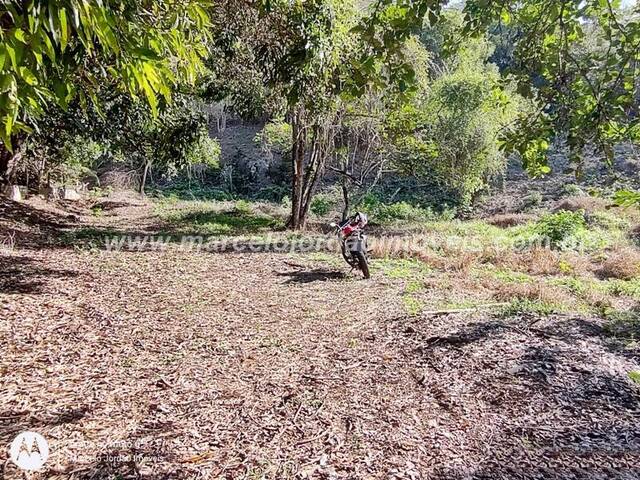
[
  {"x": 504, "y": 76},
  {"x": 51, "y": 51}
]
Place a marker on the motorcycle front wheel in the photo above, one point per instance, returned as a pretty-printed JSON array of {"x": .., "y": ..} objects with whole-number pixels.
[{"x": 363, "y": 264}]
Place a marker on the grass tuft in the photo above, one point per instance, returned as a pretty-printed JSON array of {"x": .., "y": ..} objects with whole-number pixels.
[{"x": 623, "y": 264}]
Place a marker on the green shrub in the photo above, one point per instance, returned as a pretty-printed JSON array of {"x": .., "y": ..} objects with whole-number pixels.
[
  {"x": 449, "y": 134},
  {"x": 322, "y": 204},
  {"x": 80, "y": 157},
  {"x": 531, "y": 201},
  {"x": 559, "y": 227},
  {"x": 573, "y": 190},
  {"x": 204, "y": 150},
  {"x": 382, "y": 212},
  {"x": 276, "y": 136}
]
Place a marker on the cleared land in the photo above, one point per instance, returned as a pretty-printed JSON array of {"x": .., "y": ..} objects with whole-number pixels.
[{"x": 174, "y": 364}]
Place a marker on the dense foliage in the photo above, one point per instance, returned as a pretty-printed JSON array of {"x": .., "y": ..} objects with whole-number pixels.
[
  {"x": 360, "y": 97},
  {"x": 449, "y": 134},
  {"x": 52, "y": 50}
]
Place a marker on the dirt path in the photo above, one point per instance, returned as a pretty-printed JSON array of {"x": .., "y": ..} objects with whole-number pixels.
[{"x": 200, "y": 365}]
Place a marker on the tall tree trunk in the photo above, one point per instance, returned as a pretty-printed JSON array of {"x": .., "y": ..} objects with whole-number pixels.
[
  {"x": 147, "y": 166},
  {"x": 313, "y": 171},
  {"x": 299, "y": 141},
  {"x": 345, "y": 198},
  {"x": 308, "y": 165}
]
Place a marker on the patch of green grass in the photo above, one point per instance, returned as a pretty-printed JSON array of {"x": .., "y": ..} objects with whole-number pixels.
[
  {"x": 509, "y": 276},
  {"x": 532, "y": 307},
  {"x": 414, "y": 287},
  {"x": 465, "y": 229},
  {"x": 559, "y": 227},
  {"x": 566, "y": 231},
  {"x": 404, "y": 269},
  {"x": 215, "y": 218},
  {"x": 469, "y": 235},
  {"x": 625, "y": 288},
  {"x": 412, "y": 305},
  {"x": 96, "y": 211},
  {"x": 191, "y": 191},
  {"x": 224, "y": 223},
  {"x": 634, "y": 377},
  {"x": 623, "y": 324},
  {"x": 321, "y": 257},
  {"x": 608, "y": 221},
  {"x": 575, "y": 286},
  {"x": 393, "y": 212}
]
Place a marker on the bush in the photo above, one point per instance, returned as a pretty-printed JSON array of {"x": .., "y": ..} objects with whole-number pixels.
[
  {"x": 383, "y": 212},
  {"x": 573, "y": 190},
  {"x": 531, "y": 201},
  {"x": 449, "y": 134},
  {"x": 322, "y": 204},
  {"x": 80, "y": 157},
  {"x": 560, "y": 226},
  {"x": 275, "y": 137},
  {"x": 203, "y": 150}
]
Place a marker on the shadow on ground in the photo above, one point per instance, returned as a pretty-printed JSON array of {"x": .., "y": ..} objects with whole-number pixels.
[
  {"x": 309, "y": 276},
  {"x": 559, "y": 386},
  {"x": 22, "y": 275}
]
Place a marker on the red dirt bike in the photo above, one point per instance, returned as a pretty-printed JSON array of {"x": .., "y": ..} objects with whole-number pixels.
[{"x": 353, "y": 242}]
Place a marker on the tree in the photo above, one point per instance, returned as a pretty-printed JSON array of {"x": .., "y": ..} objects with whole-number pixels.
[
  {"x": 51, "y": 51},
  {"x": 589, "y": 95},
  {"x": 584, "y": 93},
  {"x": 126, "y": 136},
  {"x": 448, "y": 135},
  {"x": 311, "y": 72},
  {"x": 364, "y": 143}
]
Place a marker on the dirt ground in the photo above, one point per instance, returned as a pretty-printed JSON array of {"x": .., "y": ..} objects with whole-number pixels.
[{"x": 184, "y": 365}]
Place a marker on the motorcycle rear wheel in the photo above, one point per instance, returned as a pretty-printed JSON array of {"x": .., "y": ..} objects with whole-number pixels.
[{"x": 363, "y": 264}]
